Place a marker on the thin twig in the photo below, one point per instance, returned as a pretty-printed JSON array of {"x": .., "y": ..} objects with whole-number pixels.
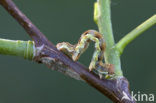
[
  {"x": 20, "y": 48},
  {"x": 135, "y": 33},
  {"x": 49, "y": 55}
]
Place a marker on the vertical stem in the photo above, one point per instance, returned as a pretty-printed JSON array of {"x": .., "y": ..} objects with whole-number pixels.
[{"x": 103, "y": 20}]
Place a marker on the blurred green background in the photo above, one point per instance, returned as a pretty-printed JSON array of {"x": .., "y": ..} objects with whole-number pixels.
[{"x": 23, "y": 81}]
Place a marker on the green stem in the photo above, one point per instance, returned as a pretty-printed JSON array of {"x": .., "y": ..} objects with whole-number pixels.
[
  {"x": 17, "y": 48},
  {"x": 135, "y": 33},
  {"x": 102, "y": 16}
]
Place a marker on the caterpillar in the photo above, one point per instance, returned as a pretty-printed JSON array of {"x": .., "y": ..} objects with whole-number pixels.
[{"x": 96, "y": 64}]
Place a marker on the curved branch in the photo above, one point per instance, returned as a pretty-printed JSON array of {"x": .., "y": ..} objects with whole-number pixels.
[{"x": 47, "y": 53}]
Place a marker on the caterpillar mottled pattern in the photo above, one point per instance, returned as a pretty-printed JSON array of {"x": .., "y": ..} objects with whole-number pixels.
[{"x": 74, "y": 52}]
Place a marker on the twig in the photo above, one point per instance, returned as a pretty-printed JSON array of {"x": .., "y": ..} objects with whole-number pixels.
[
  {"x": 48, "y": 54},
  {"x": 102, "y": 16},
  {"x": 17, "y": 48},
  {"x": 135, "y": 33}
]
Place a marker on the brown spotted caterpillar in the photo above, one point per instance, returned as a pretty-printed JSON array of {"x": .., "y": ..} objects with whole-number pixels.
[{"x": 96, "y": 64}]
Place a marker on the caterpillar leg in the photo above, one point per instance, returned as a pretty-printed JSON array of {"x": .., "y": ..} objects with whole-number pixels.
[{"x": 105, "y": 70}]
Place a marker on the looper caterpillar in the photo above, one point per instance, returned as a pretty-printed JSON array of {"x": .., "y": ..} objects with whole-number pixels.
[{"x": 96, "y": 64}]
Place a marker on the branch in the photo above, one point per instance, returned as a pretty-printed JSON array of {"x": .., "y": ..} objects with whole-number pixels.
[
  {"x": 17, "y": 48},
  {"x": 102, "y": 16},
  {"x": 110, "y": 88},
  {"x": 135, "y": 33},
  {"x": 46, "y": 53}
]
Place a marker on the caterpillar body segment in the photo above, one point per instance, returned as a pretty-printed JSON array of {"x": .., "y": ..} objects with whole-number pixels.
[
  {"x": 66, "y": 48},
  {"x": 74, "y": 51}
]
